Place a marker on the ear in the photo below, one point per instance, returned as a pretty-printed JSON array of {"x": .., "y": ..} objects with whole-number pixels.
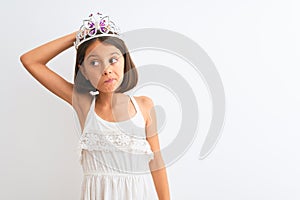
[{"x": 82, "y": 70}]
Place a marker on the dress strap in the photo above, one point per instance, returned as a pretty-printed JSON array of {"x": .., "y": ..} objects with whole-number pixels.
[
  {"x": 93, "y": 102},
  {"x": 136, "y": 106}
]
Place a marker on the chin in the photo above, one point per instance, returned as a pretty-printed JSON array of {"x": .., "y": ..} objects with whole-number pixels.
[{"x": 107, "y": 90}]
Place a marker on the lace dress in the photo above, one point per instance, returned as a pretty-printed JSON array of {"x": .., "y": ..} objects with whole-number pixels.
[{"x": 115, "y": 158}]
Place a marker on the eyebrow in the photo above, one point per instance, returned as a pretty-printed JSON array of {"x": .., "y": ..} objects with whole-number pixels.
[{"x": 93, "y": 55}]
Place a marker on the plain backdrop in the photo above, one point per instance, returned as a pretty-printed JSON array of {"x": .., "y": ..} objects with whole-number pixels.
[{"x": 255, "y": 46}]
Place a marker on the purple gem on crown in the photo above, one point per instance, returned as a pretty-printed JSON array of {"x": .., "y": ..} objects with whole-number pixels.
[{"x": 91, "y": 25}]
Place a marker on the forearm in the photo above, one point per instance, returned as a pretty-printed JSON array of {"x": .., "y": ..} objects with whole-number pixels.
[
  {"x": 161, "y": 183},
  {"x": 46, "y": 52},
  {"x": 159, "y": 175}
]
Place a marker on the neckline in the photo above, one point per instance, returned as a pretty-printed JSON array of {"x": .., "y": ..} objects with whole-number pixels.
[{"x": 108, "y": 122}]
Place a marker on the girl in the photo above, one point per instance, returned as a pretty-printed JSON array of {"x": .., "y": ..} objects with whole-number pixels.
[{"x": 119, "y": 144}]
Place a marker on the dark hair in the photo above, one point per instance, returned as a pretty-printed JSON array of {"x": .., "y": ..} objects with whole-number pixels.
[{"x": 130, "y": 78}]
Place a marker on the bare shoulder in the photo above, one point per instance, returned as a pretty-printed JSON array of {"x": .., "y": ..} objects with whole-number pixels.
[
  {"x": 81, "y": 103},
  {"x": 145, "y": 102}
]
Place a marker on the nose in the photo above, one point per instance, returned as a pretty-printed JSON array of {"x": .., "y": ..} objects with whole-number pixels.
[{"x": 107, "y": 70}]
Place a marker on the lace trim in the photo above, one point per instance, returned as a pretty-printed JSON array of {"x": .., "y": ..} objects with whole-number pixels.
[{"x": 110, "y": 141}]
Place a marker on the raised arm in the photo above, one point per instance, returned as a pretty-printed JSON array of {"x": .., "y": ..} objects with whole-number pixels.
[
  {"x": 35, "y": 62},
  {"x": 157, "y": 166}
]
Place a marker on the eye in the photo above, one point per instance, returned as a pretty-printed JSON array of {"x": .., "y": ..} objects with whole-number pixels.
[
  {"x": 113, "y": 60},
  {"x": 94, "y": 63}
]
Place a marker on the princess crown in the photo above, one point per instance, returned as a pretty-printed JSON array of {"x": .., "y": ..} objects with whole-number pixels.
[{"x": 96, "y": 26}]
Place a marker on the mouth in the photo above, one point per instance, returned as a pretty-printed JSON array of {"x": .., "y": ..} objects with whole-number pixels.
[{"x": 110, "y": 80}]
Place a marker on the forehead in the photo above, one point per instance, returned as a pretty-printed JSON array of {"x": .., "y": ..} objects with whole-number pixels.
[{"x": 101, "y": 49}]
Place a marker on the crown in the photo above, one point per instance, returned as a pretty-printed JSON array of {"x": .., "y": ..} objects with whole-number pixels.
[{"x": 96, "y": 26}]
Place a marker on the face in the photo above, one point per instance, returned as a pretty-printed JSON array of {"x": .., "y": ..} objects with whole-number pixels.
[{"x": 103, "y": 66}]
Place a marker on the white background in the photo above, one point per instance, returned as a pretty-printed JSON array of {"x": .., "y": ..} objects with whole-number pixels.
[{"x": 255, "y": 47}]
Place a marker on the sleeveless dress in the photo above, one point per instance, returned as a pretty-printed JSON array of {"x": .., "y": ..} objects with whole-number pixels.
[{"x": 115, "y": 158}]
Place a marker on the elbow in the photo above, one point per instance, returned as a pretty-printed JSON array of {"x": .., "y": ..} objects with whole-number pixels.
[{"x": 25, "y": 60}]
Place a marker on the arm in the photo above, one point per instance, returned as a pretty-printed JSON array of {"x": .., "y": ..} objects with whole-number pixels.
[
  {"x": 35, "y": 63},
  {"x": 158, "y": 170}
]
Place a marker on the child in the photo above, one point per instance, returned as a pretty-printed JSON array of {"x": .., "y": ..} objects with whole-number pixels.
[{"x": 118, "y": 141}]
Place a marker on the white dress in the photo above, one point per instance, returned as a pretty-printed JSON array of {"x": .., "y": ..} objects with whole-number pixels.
[{"x": 115, "y": 158}]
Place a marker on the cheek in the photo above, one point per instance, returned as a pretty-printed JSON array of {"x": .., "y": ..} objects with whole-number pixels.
[
  {"x": 121, "y": 68},
  {"x": 94, "y": 76},
  {"x": 121, "y": 71}
]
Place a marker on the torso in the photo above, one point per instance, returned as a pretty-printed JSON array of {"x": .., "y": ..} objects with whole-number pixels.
[
  {"x": 85, "y": 103},
  {"x": 107, "y": 114}
]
